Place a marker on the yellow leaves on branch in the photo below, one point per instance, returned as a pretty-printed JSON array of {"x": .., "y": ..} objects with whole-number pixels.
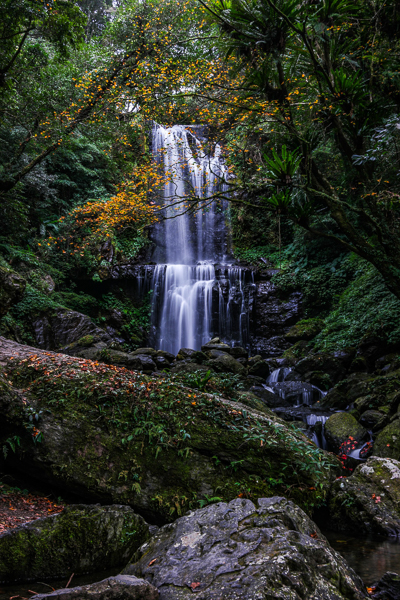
[{"x": 130, "y": 207}]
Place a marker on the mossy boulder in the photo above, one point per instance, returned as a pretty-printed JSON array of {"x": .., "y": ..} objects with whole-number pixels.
[
  {"x": 80, "y": 539},
  {"x": 341, "y": 428},
  {"x": 12, "y": 289},
  {"x": 260, "y": 369},
  {"x": 225, "y": 363},
  {"x": 387, "y": 443},
  {"x": 369, "y": 500},
  {"x": 111, "y": 434},
  {"x": 327, "y": 363},
  {"x": 306, "y": 329}
]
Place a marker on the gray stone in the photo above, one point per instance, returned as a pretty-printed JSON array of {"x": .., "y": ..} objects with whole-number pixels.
[
  {"x": 162, "y": 362},
  {"x": 226, "y": 362},
  {"x": 167, "y": 355},
  {"x": 80, "y": 539},
  {"x": 369, "y": 500},
  {"x": 236, "y": 551},
  {"x": 270, "y": 399},
  {"x": 64, "y": 328},
  {"x": 148, "y": 351},
  {"x": 141, "y": 362},
  {"x": 120, "y": 587},
  {"x": 259, "y": 369}
]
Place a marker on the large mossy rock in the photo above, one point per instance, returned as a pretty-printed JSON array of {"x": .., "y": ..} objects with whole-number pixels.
[
  {"x": 12, "y": 289},
  {"x": 387, "y": 443},
  {"x": 120, "y": 587},
  {"x": 306, "y": 329},
  {"x": 115, "y": 435},
  {"x": 80, "y": 539},
  {"x": 342, "y": 427},
  {"x": 369, "y": 500},
  {"x": 67, "y": 329},
  {"x": 225, "y": 363},
  {"x": 236, "y": 551}
]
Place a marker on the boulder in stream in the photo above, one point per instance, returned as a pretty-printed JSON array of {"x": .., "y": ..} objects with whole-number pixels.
[
  {"x": 80, "y": 539},
  {"x": 238, "y": 551},
  {"x": 369, "y": 500},
  {"x": 342, "y": 428}
]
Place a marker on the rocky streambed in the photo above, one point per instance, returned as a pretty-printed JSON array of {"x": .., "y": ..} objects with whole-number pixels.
[{"x": 236, "y": 482}]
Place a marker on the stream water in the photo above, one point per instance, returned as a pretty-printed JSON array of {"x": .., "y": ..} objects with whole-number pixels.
[{"x": 197, "y": 291}]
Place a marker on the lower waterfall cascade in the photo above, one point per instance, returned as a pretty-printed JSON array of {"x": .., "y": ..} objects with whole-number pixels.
[{"x": 197, "y": 291}]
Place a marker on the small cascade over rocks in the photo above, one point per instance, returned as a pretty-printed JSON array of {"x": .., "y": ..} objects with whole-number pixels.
[
  {"x": 197, "y": 292},
  {"x": 301, "y": 396}
]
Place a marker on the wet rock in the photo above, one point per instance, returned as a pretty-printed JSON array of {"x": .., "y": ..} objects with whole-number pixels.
[
  {"x": 274, "y": 318},
  {"x": 238, "y": 352},
  {"x": 341, "y": 427},
  {"x": 162, "y": 363},
  {"x": 141, "y": 362},
  {"x": 12, "y": 289},
  {"x": 259, "y": 369},
  {"x": 215, "y": 346},
  {"x": 64, "y": 329},
  {"x": 387, "y": 443},
  {"x": 147, "y": 351},
  {"x": 387, "y": 588},
  {"x": 326, "y": 363},
  {"x": 236, "y": 551},
  {"x": 296, "y": 352},
  {"x": 167, "y": 355},
  {"x": 296, "y": 392},
  {"x": 254, "y": 359},
  {"x": 194, "y": 355},
  {"x": 346, "y": 392},
  {"x": 120, "y": 587},
  {"x": 254, "y": 402},
  {"x": 369, "y": 500},
  {"x": 189, "y": 367},
  {"x": 306, "y": 329},
  {"x": 226, "y": 362},
  {"x": 272, "y": 400},
  {"x": 373, "y": 419},
  {"x": 320, "y": 379},
  {"x": 114, "y": 357},
  {"x": 80, "y": 539},
  {"x": 359, "y": 365}
]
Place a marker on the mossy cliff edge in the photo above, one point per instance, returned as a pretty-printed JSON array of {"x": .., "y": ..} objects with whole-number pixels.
[{"x": 111, "y": 434}]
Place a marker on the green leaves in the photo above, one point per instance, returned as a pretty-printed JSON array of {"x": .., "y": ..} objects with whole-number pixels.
[{"x": 283, "y": 168}]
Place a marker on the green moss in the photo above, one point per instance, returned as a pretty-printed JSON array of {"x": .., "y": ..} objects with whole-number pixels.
[
  {"x": 387, "y": 443},
  {"x": 306, "y": 329},
  {"x": 80, "y": 539},
  {"x": 120, "y": 434}
]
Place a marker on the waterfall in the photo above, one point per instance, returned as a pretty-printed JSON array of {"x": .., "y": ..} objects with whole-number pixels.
[{"x": 196, "y": 292}]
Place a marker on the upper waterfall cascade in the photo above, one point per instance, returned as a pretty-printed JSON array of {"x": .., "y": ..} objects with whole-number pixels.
[{"x": 196, "y": 292}]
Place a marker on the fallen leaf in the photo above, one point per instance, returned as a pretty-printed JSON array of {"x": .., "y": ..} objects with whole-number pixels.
[{"x": 195, "y": 585}]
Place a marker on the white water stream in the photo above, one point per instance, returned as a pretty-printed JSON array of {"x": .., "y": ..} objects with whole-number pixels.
[{"x": 196, "y": 292}]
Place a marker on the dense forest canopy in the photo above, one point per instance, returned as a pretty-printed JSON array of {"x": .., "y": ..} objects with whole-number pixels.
[{"x": 304, "y": 99}]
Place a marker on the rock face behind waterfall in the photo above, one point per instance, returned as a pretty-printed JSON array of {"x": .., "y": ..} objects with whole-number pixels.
[
  {"x": 113, "y": 435},
  {"x": 236, "y": 551}
]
